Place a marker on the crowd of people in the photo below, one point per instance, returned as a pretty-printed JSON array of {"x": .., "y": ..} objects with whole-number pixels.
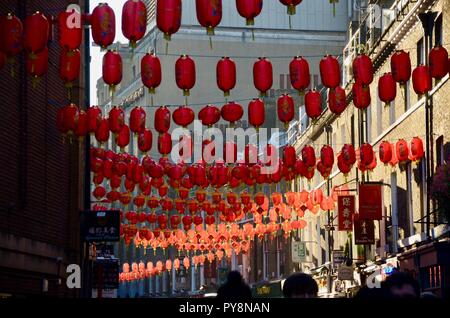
[{"x": 299, "y": 285}]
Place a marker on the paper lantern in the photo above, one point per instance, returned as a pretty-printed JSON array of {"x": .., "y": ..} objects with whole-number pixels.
[
  {"x": 402, "y": 151},
  {"x": 137, "y": 120},
  {"x": 421, "y": 78},
  {"x": 11, "y": 34},
  {"x": 116, "y": 119},
  {"x": 36, "y": 33},
  {"x": 69, "y": 66},
  {"x": 185, "y": 74},
  {"x": 134, "y": 21},
  {"x": 37, "y": 63},
  {"x": 361, "y": 96},
  {"x": 337, "y": 100},
  {"x": 103, "y": 25},
  {"x": 256, "y": 113},
  {"x": 387, "y": 88},
  {"x": 263, "y": 75},
  {"x": 348, "y": 154},
  {"x": 417, "y": 149},
  {"x": 209, "y": 115},
  {"x": 291, "y": 5},
  {"x": 313, "y": 104},
  {"x": 286, "y": 109},
  {"x": 309, "y": 156},
  {"x": 162, "y": 119},
  {"x": 102, "y": 132},
  {"x": 330, "y": 72},
  {"x": 401, "y": 66},
  {"x": 249, "y": 9},
  {"x": 363, "y": 70},
  {"x": 299, "y": 74},
  {"x": 164, "y": 144},
  {"x": 385, "y": 152},
  {"x": 439, "y": 65},
  {"x": 232, "y": 112},
  {"x": 112, "y": 69},
  {"x": 226, "y": 75},
  {"x": 209, "y": 14},
  {"x": 183, "y": 116},
  {"x": 151, "y": 72},
  {"x": 327, "y": 156},
  {"x": 168, "y": 17}
]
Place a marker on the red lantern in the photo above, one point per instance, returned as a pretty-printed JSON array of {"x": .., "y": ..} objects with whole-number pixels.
[
  {"x": 99, "y": 192},
  {"x": 337, "y": 100},
  {"x": 348, "y": 154},
  {"x": 183, "y": 116},
  {"x": 256, "y": 113},
  {"x": 286, "y": 109},
  {"x": 291, "y": 5},
  {"x": 82, "y": 125},
  {"x": 401, "y": 66},
  {"x": 299, "y": 74},
  {"x": 402, "y": 151},
  {"x": 209, "y": 115},
  {"x": 263, "y": 75},
  {"x": 70, "y": 31},
  {"x": 387, "y": 88},
  {"x": 439, "y": 65},
  {"x": 313, "y": 104},
  {"x": 70, "y": 117},
  {"x": 168, "y": 17},
  {"x": 137, "y": 120},
  {"x": 36, "y": 32},
  {"x": 309, "y": 156},
  {"x": 116, "y": 120},
  {"x": 417, "y": 150},
  {"x": 112, "y": 69},
  {"x": 330, "y": 72},
  {"x": 232, "y": 112},
  {"x": 327, "y": 156},
  {"x": 134, "y": 21},
  {"x": 209, "y": 14},
  {"x": 145, "y": 141},
  {"x": 60, "y": 121},
  {"x": 151, "y": 72},
  {"x": 366, "y": 155},
  {"x": 361, "y": 96},
  {"x": 11, "y": 33},
  {"x": 289, "y": 156},
  {"x": 94, "y": 114},
  {"x": 162, "y": 119},
  {"x": 363, "y": 70},
  {"x": 185, "y": 74},
  {"x": 103, "y": 25},
  {"x": 37, "y": 64},
  {"x": 249, "y": 9},
  {"x": 226, "y": 75},
  {"x": 102, "y": 132},
  {"x": 385, "y": 152},
  {"x": 123, "y": 137},
  {"x": 421, "y": 79},
  {"x": 343, "y": 166},
  {"x": 69, "y": 66},
  {"x": 164, "y": 144}
]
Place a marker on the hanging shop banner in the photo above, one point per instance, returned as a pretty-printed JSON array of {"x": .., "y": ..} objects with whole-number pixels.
[
  {"x": 370, "y": 201},
  {"x": 100, "y": 226},
  {"x": 338, "y": 257},
  {"x": 345, "y": 273},
  {"x": 105, "y": 274},
  {"x": 364, "y": 231},
  {"x": 346, "y": 210},
  {"x": 298, "y": 252}
]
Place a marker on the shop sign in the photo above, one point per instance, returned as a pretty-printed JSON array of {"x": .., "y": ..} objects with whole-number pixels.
[
  {"x": 346, "y": 210},
  {"x": 338, "y": 257},
  {"x": 345, "y": 273},
  {"x": 100, "y": 226},
  {"x": 370, "y": 201},
  {"x": 298, "y": 252},
  {"x": 364, "y": 231}
]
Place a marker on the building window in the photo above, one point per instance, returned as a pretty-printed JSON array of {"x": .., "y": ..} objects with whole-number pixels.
[
  {"x": 343, "y": 136},
  {"x": 282, "y": 86},
  {"x": 379, "y": 116},
  {"x": 420, "y": 52},
  {"x": 316, "y": 81},
  {"x": 438, "y": 31},
  {"x": 440, "y": 151},
  {"x": 288, "y": 81},
  {"x": 407, "y": 95},
  {"x": 369, "y": 124},
  {"x": 392, "y": 113}
]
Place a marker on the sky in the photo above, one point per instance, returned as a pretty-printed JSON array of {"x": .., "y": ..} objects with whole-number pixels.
[{"x": 96, "y": 55}]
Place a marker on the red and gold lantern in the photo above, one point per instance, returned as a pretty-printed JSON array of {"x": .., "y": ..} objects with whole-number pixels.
[
  {"x": 37, "y": 63},
  {"x": 112, "y": 69},
  {"x": 209, "y": 115},
  {"x": 185, "y": 74},
  {"x": 256, "y": 113},
  {"x": 164, "y": 144},
  {"x": 226, "y": 75},
  {"x": 401, "y": 67},
  {"x": 402, "y": 151},
  {"x": 363, "y": 70},
  {"x": 249, "y": 9},
  {"x": 103, "y": 25},
  {"x": 263, "y": 75},
  {"x": 313, "y": 104},
  {"x": 361, "y": 96},
  {"x": 286, "y": 109},
  {"x": 183, "y": 116},
  {"x": 137, "y": 120},
  {"x": 209, "y": 14},
  {"x": 330, "y": 72},
  {"x": 116, "y": 119},
  {"x": 421, "y": 78},
  {"x": 69, "y": 66},
  {"x": 439, "y": 65},
  {"x": 151, "y": 72},
  {"x": 162, "y": 120},
  {"x": 299, "y": 74},
  {"x": 11, "y": 35},
  {"x": 387, "y": 88},
  {"x": 337, "y": 100},
  {"x": 36, "y": 33},
  {"x": 134, "y": 21},
  {"x": 102, "y": 132},
  {"x": 123, "y": 137},
  {"x": 168, "y": 17},
  {"x": 145, "y": 140},
  {"x": 417, "y": 149},
  {"x": 232, "y": 112},
  {"x": 385, "y": 152}
]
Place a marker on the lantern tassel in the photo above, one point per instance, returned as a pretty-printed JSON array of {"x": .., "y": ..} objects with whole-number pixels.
[
  {"x": 210, "y": 43},
  {"x": 167, "y": 47},
  {"x": 334, "y": 9}
]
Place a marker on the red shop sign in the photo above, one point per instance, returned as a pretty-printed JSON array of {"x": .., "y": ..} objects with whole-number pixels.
[
  {"x": 346, "y": 210},
  {"x": 364, "y": 231},
  {"x": 370, "y": 201}
]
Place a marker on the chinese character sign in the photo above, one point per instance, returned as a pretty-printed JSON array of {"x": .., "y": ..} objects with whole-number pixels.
[
  {"x": 364, "y": 231},
  {"x": 346, "y": 208},
  {"x": 370, "y": 201}
]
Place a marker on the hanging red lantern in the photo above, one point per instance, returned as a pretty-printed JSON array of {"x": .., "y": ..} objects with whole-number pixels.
[
  {"x": 209, "y": 115},
  {"x": 11, "y": 34},
  {"x": 36, "y": 27},
  {"x": 102, "y": 132},
  {"x": 401, "y": 67},
  {"x": 249, "y": 9},
  {"x": 69, "y": 66},
  {"x": 343, "y": 166},
  {"x": 70, "y": 118},
  {"x": 164, "y": 144},
  {"x": 330, "y": 72},
  {"x": 151, "y": 74},
  {"x": 361, "y": 96},
  {"x": 421, "y": 78},
  {"x": 226, "y": 75},
  {"x": 291, "y": 5},
  {"x": 168, "y": 17},
  {"x": 209, "y": 14},
  {"x": 385, "y": 152},
  {"x": 309, "y": 156},
  {"x": 134, "y": 21},
  {"x": 323, "y": 170},
  {"x": 327, "y": 156},
  {"x": 387, "y": 88},
  {"x": 263, "y": 75},
  {"x": 417, "y": 149},
  {"x": 162, "y": 119},
  {"x": 363, "y": 70},
  {"x": 299, "y": 74},
  {"x": 37, "y": 63},
  {"x": 402, "y": 151},
  {"x": 232, "y": 112},
  {"x": 116, "y": 120},
  {"x": 439, "y": 64},
  {"x": 337, "y": 100},
  {"x": 103, "y": 25},
  {"x": 145, "y": 141},
  {"x": 94, "y": 114},
  {"x": 112, "y": 69},
  {"x": 60, "y": 121},
  {"x": 313, "y": 104},
  {"x": 256, "y": 113},
  {"x": 366, "y": 154},
  {"x": 70, "y": 32},
  {"x": 183, "y": 116},
  {"x": 185, "y": 74},
  {"x": 82, "y": 125},
  {"x": 286, "y": 109},
  {"x": 348, "y": 154},
  {"x": 289, "y": 156},
  {"x": 123, "y": 137},
  {"x": 99, "y": 192},
  {"x": 137, "y": 120}
]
